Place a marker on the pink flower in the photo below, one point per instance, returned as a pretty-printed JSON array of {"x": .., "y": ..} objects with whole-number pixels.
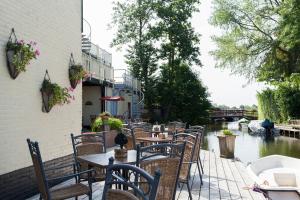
[{"x": 37, "y": 52}]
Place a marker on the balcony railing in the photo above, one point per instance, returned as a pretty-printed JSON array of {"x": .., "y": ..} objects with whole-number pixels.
[
  {"x": 98, "y": 69},
  {"x": 123, "y": 76}
]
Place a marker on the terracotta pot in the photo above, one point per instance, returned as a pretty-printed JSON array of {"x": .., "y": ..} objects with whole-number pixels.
[
  {"x": 227, "y": 145},
  {"x": 110, "y": 138},
  {"x": 13, "y": 72}
]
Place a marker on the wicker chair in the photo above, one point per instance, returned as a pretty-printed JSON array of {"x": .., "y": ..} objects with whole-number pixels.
[
  {"x": 140, "y": 132},
  {"x": 166, "y": 157},
  {"x": 89, "y": 143},
  {"x": 200, "y": 130},
  {"x": 189, "y": 151},
  {"x": 115, "y": 179},
  {"x": 65, "y": 192},
  {"x": 196, "y": 157}
]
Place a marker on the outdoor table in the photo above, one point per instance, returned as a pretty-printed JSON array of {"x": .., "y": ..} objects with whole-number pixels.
[{"x": 102, "y": 159}]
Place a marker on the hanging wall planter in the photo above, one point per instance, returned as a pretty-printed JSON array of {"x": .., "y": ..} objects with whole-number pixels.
[
  {"x": 53, "y": 94},
  {"x": 76, "y": 73},
  {"x": 19, "y": 54}
]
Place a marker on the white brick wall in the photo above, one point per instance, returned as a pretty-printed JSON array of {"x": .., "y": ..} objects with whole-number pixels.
[{"x": 56, "y": 26}]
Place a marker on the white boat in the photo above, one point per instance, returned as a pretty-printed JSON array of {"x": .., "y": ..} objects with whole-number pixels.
[
  {"x": 276, "y": 173},
  {"x": 255, "y": 127}
]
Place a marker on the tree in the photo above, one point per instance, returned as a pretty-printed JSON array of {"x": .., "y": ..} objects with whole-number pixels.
[
  {"x": 133, "y": 20},
  {"x": 178, "y": 42},
  {"x": 260, "y": 38},
  {"x": 190, "y": 97}
]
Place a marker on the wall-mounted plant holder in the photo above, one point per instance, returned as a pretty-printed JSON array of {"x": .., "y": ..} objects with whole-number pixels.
[
  {"x": 19, "y": 54},
  {"x": 10, "y": 53},
  {"x": 47, "y": 93},
  {"x": 76, "y": 72},
  {"x": 53, "y": 94}
]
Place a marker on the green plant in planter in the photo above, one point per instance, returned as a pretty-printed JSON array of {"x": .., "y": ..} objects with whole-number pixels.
[
  {"x": 227, "y": 132},
  {"x": 114, "y": 123},
  {"x": 58, "y": 94},
  {"x": 22, "y": 53}
]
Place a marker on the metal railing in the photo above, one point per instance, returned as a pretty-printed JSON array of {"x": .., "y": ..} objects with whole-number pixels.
[{"x": 123, "y": 76}]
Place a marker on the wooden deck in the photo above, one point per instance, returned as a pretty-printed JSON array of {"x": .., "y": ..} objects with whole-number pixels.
[{"x": 222, "y": 179}]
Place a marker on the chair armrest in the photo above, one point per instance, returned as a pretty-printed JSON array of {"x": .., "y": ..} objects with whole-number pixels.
[{"x": 71, "y": 175}]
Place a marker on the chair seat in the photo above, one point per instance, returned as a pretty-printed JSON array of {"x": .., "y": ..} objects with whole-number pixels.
[
  {"x": 120, "y": 194},
  {"x": 69, "y": 191},
  {"x": 97, "y": 176}
]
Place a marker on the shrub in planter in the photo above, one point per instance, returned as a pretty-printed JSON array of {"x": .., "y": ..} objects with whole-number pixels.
[
  {"x": 114, "y": 123},
  {"x": 227, "y": 144},
  {"x": 53, "y": 94},
  {"x": 19, "y": 54}
]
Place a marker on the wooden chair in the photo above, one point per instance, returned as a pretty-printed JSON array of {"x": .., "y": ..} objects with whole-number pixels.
[
  {"x": 117, "y": 183},
  {"x": 166, "y": 157},
  {"x": 85, "y": 144},
  {"x": 65, "y": 192},
  {"x": 191, "y": 143}
]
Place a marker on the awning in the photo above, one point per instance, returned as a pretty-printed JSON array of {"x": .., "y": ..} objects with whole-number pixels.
[{"x": 112, "y": 98}]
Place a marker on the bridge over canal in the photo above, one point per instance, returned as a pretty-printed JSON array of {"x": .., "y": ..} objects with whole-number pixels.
[{"x": 232, "y": 114}]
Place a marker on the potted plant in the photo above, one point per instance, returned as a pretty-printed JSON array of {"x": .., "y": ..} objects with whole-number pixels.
[
  {"x": 226, "y": 144},
  {"x": 53, "y": 94},
  {"x": 76, "y": 74},
  {"x": 114, "y": 126},
  {"x": 19, "y": 54}
]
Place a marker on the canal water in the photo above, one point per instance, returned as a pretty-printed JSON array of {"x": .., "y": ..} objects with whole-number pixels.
[{"x": 249, "y": 148}]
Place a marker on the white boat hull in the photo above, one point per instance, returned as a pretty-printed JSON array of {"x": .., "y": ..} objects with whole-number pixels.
[{"x": 276, "y": 172}]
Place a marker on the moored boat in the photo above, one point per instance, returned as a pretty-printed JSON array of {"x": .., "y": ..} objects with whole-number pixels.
[{"x": 276, "y": 173}]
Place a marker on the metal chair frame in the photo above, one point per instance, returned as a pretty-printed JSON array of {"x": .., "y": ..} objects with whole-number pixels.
[
  {"x": 113, "y": 177},
  {"x": 35, "y": 151},
  {"x": 190, "y": 139}
]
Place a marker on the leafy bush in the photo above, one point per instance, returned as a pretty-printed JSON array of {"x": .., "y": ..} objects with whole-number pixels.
[
  {"x": 114, "y": 123},
  {"x": 227, "y": 132}
]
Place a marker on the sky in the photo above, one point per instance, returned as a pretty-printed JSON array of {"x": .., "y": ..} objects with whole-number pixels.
[{"x": 223, "y": 87}]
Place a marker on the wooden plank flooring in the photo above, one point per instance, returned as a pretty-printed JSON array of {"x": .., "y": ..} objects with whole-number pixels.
[{"x": 222, "y": 179}]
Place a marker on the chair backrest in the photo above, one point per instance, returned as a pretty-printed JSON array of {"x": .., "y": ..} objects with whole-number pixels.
[
  {"x": 114, "y": 177},
  {"x": 131, "y": 144},
  {"x": 89, "y": 143},
  {"x": 200, "y": 134},
  {"x": 166, "y": 157},
  {"x": 189, "y": 151},
  {"x": 39, "y": 169}
]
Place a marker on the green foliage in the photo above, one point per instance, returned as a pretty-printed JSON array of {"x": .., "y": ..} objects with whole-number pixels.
[
  {"x": 23, "y": 53},
  {"x": 59, "y": 95},
  {"x": 114, "y": 124},
  {"x": 261, "y": 38},
  {"x": 227, "y": 132},
  {"x": 279, "y": 104},
  {"x": 96, "y": 125},
  {"x": 78, "y": 73},
  {"x": 187, "y": 98}
]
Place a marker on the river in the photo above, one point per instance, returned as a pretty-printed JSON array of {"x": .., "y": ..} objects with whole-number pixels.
[{"x": 249, "y": 148}]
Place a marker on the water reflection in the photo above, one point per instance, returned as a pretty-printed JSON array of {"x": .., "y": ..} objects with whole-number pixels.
[{"x": 248, "y": 147}]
